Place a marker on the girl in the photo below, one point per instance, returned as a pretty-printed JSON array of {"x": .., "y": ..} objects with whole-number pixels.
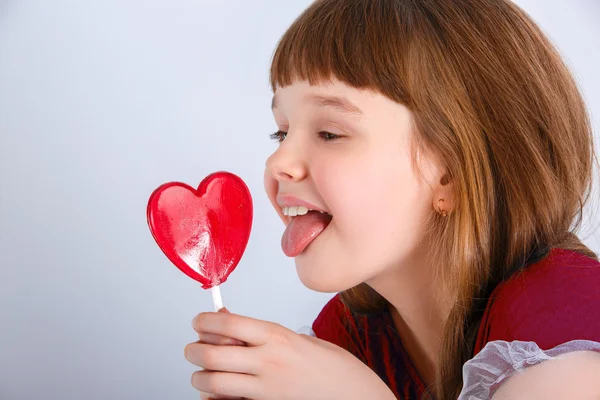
[{"x": 434, "y": 161}]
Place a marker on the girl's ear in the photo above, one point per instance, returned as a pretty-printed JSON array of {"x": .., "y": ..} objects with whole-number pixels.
[
  {"x": 444, "y": 199},
  {"x": 439, "y": 180}
]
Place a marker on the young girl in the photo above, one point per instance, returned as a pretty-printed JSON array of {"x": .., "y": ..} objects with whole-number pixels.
[{"x": 434, "y": 160}]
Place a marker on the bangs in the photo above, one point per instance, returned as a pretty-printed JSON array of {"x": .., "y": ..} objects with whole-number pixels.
[{"x": 360, "y": 43}]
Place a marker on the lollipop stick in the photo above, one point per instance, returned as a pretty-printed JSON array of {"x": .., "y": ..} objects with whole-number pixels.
[{"x": 216, "y": 295}]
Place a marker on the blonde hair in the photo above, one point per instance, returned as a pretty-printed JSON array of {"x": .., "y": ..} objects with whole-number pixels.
[{"x": 493, "y": 101}]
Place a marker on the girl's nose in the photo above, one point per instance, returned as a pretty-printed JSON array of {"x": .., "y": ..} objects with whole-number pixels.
[{"x": 287, "y": 164}]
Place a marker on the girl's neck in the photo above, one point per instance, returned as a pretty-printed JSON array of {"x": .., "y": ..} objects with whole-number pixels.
[
  {"x": 417, "y": 313},
  {"x": 422, "y": 350}
]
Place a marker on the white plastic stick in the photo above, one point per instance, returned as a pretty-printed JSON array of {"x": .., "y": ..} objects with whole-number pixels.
[{"x": 217, "y": 300}]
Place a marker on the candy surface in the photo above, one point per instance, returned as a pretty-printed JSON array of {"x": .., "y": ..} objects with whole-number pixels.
[{"x": 203, "y": 232}]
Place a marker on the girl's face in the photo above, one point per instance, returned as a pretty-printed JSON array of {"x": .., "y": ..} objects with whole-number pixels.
[{"x": 355, "y": 165}]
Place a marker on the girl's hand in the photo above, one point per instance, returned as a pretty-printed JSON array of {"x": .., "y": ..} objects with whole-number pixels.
[
  {"x": 276, "y": 363},
  {"x": 211, "y": 338}
]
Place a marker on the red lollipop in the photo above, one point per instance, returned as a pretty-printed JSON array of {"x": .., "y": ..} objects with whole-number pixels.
[{"x": 203, "y": 231}]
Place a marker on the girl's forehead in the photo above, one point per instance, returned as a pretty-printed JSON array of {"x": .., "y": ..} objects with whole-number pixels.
[
  {"x": 323, "y": 99},
  {"x": 334, "y": 94},
  {"x": 352, "y": 104}
]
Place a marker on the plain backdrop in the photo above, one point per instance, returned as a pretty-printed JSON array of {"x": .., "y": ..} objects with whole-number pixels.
[{"x": 102, "y": 101}]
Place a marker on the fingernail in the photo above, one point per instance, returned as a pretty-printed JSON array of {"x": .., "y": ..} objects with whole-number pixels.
[
  {"x": 194, "y": 322},
  {"x": 224, "y": 310}
]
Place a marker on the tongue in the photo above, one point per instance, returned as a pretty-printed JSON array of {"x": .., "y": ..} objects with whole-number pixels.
[{"x": 302, "y": 230}]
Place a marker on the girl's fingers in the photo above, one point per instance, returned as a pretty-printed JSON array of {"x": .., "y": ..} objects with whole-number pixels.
[
  {"x": 211, "y": 338},
  {"x": 251, "y": 331},
  {"x": 226, "y": 384},
  {"x": 237, "y": 359},
  {"x": 209, "y": 396},
  {"x": 215, "y": 339}
]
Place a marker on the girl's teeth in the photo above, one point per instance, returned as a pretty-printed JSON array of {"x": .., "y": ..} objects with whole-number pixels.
[{"x": 293, "y": 211}]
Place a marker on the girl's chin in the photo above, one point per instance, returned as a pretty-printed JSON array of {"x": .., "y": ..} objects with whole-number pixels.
[
  {"x": 321, "y": 286},
  {"x": 323, "y": 278}
]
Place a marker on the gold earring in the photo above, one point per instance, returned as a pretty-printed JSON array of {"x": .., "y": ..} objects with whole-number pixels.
[{"x": 443, "y": 213}]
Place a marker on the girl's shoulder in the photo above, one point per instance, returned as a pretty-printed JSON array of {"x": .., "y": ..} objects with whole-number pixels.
[
  {"x": 336, "y": 324},
  {"x": 373, "y": 340},
  {"x": 544, "y": 312},
  {"x": 551, "y": 302},
  {"x": 365, "y": 336}
]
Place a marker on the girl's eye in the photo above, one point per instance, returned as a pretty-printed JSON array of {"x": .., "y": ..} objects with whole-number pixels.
[
  {"x": 326, "y": 136},
  {"x": 279, "y": 136}
]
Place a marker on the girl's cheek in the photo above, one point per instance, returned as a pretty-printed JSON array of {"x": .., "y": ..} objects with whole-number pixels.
[{"x": 342, "y": 190}]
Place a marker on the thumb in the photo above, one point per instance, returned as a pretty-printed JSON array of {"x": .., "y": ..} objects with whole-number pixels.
[{"x": 210, "y": 338}]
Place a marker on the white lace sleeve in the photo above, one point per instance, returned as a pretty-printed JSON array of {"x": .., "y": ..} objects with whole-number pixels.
[
  {"x": 499, "y": 360},
  {"x": 306, "y": 330}
]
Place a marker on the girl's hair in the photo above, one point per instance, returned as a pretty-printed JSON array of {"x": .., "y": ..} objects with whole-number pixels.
[{"x": 492, "y": 100}]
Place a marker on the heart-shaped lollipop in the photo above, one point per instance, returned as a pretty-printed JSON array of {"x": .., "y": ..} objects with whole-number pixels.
[{"x": 203, "y": 231}]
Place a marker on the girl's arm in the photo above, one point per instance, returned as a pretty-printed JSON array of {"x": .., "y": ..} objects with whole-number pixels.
[{"x": 572, "y": 376}]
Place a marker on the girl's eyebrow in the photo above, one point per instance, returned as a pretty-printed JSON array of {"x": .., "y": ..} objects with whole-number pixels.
[{"x": 338, "y": 103}]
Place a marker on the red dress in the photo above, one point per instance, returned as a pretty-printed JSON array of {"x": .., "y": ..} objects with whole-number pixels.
[{"x": 551, "y": 302}]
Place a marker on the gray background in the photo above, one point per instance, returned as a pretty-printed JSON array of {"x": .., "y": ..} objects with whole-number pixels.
[{"x": 102, "y": 101}]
